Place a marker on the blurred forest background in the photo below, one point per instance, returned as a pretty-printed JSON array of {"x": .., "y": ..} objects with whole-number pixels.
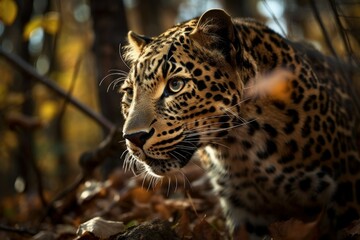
[{"x": 75, "y": 45}]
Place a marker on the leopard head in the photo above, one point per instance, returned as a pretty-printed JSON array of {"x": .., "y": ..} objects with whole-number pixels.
[{"x": 181, "y": 92}]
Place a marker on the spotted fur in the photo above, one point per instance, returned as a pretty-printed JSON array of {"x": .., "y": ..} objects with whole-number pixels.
[{"x": 272, "y": 121}]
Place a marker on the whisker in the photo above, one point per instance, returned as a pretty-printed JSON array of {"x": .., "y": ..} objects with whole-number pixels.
[
  {"x": 211, "y": 127},
  {"x": 185, "y": 150},
  {"x": 174, "y": 156},
  {"x": 220, "y": 129},
  {"x": 212, "y": 142},
  {"x": 121, "y": 56},
  {"x": 194, "y": 140},
  {"x": 115, "y": 82},
  {"x": 112, "y": 74},
  {"x": 183, "y": 147},
  {"x": 181, "y": 155},
  {"x": 186, "y": 179},
  {"x": 220, "y": 144},
  {"x": 218, "y": 116},
  {"x": 199, "y": 166},
  {"x": 232, "y": 113},
  {"x": 144, "y": 178},
  {"x": 168, "y": 190},
  {"x": 176, "y": 183},
  {"x": 207, "y": 125},
  {"x": 150, "y": 182},
  {"x": 128, "y": 161},
  {"x": 155, "y": 182},
  {"x": 140, "y": 167},
  {"x": 242, "y": 101},
  {"x": 114, "y": 70},
  {"x": 208, "y": 117},
  {"x": 124, "y": 152}
]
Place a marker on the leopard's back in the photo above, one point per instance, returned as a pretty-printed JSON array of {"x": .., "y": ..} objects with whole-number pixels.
[{"x": 273, "y": 122}]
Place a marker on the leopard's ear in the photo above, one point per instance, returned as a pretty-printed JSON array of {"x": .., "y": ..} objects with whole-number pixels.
[
  {"x": 136, "y": 44},
  {"x": 215, "y": 31}
]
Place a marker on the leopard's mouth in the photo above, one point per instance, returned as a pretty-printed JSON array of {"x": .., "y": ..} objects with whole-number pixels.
[
  {"x": 161, "y": 167},
  {"x": 173, "y": 160}
]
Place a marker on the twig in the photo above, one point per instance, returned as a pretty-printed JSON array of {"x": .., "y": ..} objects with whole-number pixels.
[
  {"x": 274, "y": 17},
  {"x": 71, "y": 88},
  {"x": 39, "y": 182},
  {"x": 108, "y": 147},
  {"x": 18, "y": 230},
  {"x": 344, "y": 37},
  {"x": 68, "y": 192},
  {"x": 347, "y": 16},
  {"x": 71, "y": 188},
  {"x": 28, "y": 70},
  {"x": 88, "y": 162},
  {"x": 15, "y": 120},
  {"x": 323, "y": 29}
]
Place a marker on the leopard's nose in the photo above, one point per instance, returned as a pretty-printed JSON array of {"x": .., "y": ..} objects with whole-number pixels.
[{"x": 139, "y": 138}]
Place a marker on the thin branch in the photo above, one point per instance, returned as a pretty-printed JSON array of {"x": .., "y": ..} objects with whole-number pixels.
[
  {"x": 18, "y": 230},
  {"x": 341, "y": 28},
  {"x": 88, "y": 161},
  {"x": 69, "y": 193},
  {"x": 71, "y": 87},
  {"x": 39, "y": 182},
  {"x": 347, "y": 44},
  {"x": 108, "y": 147},
  {"x": 323, "y": 29},
  {"x": 28, "y": 70},
  {"x": 347, "y": 3},
  {"x": 274, "y": 17},
  {"x": 347, "y": 16}
]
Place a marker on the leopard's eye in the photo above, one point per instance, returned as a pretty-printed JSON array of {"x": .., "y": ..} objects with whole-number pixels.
[
  {"x": 129, "y": 92},
  {"x": 175, "y": 85}
]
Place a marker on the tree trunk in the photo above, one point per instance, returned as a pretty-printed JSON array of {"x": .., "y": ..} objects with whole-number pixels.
[
  {"x": 238, "y": 8},
  {"x": 110, "y": 28},
  {"x": 26, "y": 155},
  {"x": 150, "y": 17}
]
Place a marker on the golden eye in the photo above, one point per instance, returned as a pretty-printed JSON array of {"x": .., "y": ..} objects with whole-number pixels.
[
  {"x": 128, "y": 92},
  {"x": 175, "y": 85}
]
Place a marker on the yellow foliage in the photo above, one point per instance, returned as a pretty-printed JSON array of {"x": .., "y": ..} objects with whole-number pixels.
[
  {"x": 10, "y": 139},
  {"x": 8, "y": 11},
  {"x": 3, "y": 93},
  {"x": 48, "y": 110},
  {"x": 14, "y": 99},
  {"x": 34, "y": 24},
  {"x": 50, "y": 22}
]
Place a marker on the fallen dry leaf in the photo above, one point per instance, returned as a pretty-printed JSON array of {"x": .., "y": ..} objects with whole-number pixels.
[
  {"x": 203, "y": 230},
  {"x": 101, "y": 228},
  {"x": 182, "y": 227},
  {"x": 294, "y": 229},
  {"x": 141, "y": 195},
  {"x": 353, "y": 231}
]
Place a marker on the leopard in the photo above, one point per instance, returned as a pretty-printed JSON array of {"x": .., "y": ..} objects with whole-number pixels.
[{"x": 274, "y": 122}]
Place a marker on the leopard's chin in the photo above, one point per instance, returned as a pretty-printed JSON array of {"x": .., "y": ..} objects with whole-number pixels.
[
  {"x": 172, "y": 162},
  {"x": 143, "y": 164},
  {"x": 162, "y": 167}
]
